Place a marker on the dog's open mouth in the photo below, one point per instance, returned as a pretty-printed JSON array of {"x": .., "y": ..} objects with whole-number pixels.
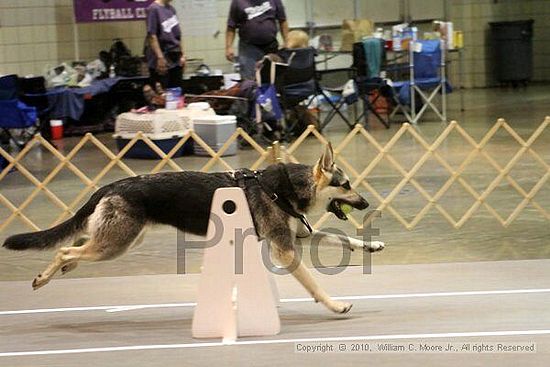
[{"x": 335, "y": 207}]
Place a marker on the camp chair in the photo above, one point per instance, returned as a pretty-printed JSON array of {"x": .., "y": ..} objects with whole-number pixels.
[
  {"x": 303, "y": 82},
  {"x": 337, "y": 88},
  {"x": 18, "y": 122},
  {"x": 426, "y": 80},
  {"x": 292, "y": 80},
  {"x": 32, "y": 92},
  {"x": 296, "y": 85},
  {"x": 368, "y": 60}
]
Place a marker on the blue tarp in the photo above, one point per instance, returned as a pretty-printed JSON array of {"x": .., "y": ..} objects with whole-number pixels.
[{"x": 69, "y": 102}]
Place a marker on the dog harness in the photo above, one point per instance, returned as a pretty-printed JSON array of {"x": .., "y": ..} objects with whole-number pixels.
[{"x": 246, "y": 177}]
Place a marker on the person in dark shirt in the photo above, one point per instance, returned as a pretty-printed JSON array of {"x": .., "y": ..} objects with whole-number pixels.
[
  {"x": 164, "y": 52},
  {"x": 256, "y": 21}
]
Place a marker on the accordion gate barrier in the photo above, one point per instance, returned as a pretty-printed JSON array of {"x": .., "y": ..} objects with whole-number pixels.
[{"x": 278, "y": 152}]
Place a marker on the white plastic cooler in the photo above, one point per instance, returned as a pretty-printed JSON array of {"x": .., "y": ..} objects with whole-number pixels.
[{"x": 215, "y": 131}]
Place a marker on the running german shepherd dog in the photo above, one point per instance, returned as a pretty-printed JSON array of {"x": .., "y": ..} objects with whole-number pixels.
[{"x": 114, "y": 218}]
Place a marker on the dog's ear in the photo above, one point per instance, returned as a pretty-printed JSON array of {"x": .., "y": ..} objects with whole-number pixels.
[{"x": 327, "y": 159}]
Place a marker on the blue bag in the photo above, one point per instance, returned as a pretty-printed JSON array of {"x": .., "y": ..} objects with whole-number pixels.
[{"x": 266, "y": 97}]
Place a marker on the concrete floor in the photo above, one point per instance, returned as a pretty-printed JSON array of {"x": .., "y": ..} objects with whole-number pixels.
[{"x": 459, "y": 303}]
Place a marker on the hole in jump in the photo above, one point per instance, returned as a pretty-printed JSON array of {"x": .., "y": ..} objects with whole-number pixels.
[{"x": 229, "y": 207}]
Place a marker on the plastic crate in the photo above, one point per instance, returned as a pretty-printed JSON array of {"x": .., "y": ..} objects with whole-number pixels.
[
  {"x": 141, "y": 150},
  {"x": 215, "y": 131},
  {"x": 160, "y": 124},
  {"x": 164, "y": 128}
]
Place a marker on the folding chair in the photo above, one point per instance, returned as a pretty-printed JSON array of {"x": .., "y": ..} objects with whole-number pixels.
[
  {"x": 32, "y": 92},
  {"x": 8, "y": 87},
  {"x": 337, "y": 83},
  {"x": 368, "y": 59},
  {"x": 296, "y": 84},
  {"x": 15, "y": 116},
  {"x": 426, "y": 72},
  {"x": 302, "y": 81}
]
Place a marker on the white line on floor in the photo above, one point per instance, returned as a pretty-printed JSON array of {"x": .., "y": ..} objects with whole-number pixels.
[
  {"x": 278, "y": 341},
  {"x": 120, "y": 308}
]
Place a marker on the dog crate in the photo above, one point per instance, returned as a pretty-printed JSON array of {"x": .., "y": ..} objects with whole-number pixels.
[
  {"x": 215, "y": 131},
  {"x": 164, "y": 128}
]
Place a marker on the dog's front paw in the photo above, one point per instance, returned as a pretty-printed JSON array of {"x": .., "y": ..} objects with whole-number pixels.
[
  {"x": 340, "y": 307},
  {"x": 374, "y": 246}
]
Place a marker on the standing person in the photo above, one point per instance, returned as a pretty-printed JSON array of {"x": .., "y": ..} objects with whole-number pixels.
[
  {"x": 257, "y": 24},
  {"x": 163, "y": 48}
]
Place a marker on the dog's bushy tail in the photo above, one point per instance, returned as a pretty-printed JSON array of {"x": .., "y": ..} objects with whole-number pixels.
[
  {"x": 48, "y": 238},
  {"x": 43, "y": 239}
]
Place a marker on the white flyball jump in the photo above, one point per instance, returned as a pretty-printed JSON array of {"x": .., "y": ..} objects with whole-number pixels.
[{"x": 231, "y": 305}]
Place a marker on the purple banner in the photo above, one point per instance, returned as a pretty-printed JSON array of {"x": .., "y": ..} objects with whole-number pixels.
[{"x": 110, "y": 10}]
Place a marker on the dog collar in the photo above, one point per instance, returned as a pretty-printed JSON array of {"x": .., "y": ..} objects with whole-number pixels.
[{"x": 244, "y": 176}]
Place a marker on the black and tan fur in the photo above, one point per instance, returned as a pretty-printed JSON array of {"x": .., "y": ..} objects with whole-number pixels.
[{"x": 114, "y": 218}]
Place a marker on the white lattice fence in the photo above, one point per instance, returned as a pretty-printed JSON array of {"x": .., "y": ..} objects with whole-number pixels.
[
  {"x": 384, "y": 153},
  {"x": 115, "y": 159}
]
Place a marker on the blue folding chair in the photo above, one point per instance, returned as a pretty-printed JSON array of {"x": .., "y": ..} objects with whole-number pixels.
[
  {"x": 426, "y": 80},
  {"x": 18, "y": 122}
]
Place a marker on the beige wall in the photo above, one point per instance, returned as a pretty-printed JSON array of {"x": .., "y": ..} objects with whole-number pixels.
[
  {"x": 28, "y": 35},
  {"x": 35, "y": 34},
  {"x": 473, "y": 18},
  {"x": 94, "y": 37},
  {"x": 39, "y": 33}
]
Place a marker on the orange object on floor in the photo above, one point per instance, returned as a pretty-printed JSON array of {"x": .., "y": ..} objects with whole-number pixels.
[{"x": 379, "y": 102}]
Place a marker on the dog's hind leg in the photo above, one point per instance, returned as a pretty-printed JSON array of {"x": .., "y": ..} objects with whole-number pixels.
[
  {"x": 71, "y": 266},
  {"x": 96, "y": 249},
  {"x": 114, "y": 227},
  {"x": 293, "y": 263},
  {"x": 65, "y": 257}
]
